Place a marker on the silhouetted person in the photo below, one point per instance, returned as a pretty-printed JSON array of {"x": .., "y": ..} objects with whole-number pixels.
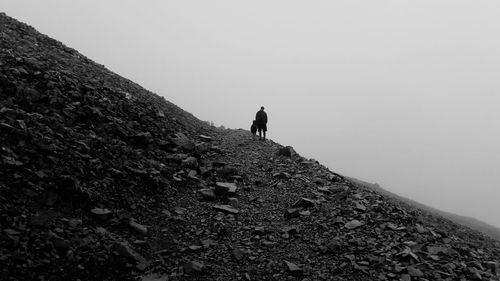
[
  {"x": 261, "y": 118},
  {"x": 253, "y": 128}
]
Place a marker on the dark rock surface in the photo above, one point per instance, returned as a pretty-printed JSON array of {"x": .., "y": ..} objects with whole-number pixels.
[{"x": 103, "y": 180}]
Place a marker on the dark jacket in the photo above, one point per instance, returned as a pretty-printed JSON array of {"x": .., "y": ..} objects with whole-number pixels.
[{"x": 261, "y": 117}]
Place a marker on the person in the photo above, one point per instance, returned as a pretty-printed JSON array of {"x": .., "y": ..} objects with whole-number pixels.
[
  {"x": 253, "y": 128},
  {"x": 261, "y": 118}
]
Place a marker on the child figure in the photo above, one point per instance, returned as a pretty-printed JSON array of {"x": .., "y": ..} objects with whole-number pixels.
[{"x": 253, "y": 128}]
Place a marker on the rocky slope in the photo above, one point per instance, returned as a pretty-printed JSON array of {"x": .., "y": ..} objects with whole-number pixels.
[
  {"x": 473, "y": 223},
  {"x": 103, "y": 180}
]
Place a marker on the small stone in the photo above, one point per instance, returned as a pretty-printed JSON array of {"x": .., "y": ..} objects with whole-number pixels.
[
  {"x": 334, "y": 246},
  {"x": 177, "y": 157},
  {"x": 207, "y": 243},
  {"x": 142, "y": 139},
  {"x": 205, "y": 138},
  {"x": 61, "y": 243},
  {"x": 225, "y": 188},
  {"x": 195, "y": 247},
  {"x": 11, "y": 161},
  {"x": 234, "y": 202},
  {"x": 226, "y": 209},
  {"x": 101, "y": 231},
  {"x": 190, "y": 162},
  {"x": 102, "y": 213},
  {"x": 324, "y": 189},
  {"x": 202, "y": 147},
  {"x": 292, "y": 213},
  {"x": 305, "y": 213},
  {"x": 41, "y": 174},
  {"x": 216, "y": 164},
  {"x": 75, "y": 222},
  {"x": 282, "y": 175},
  {"x": 193, "y": 266},
  {"x": 476, "y": 274},
  {"x": 193, "y": 174},
  {"x": 292, "y": 230},
  {"x": 203, "y": 171},
  {"x": 414, "y": 271},
  {"x": 335, "y": 177},
  {"x": 492, "y": 266},
  {"x": 268, "y": 243},
  {"x": 207, "y": 194},
  {"x": 124, "y": 250},
  {"x": 392, "y": 226},
  {"x": 139, "y": 242},
  {"x": 420, "y": 229},
  {"x": 398, "y": 268},
  {"x": 183, "y": 142},
  {"x": 407, "y": 252},
  {"x": 353, "y": 224},
  {"x": 405, "y": 277},
  {"x": 293, "y": 269},
  {"x": 238, "y": 254},
  {"x": 188, "y": 146},
  {"x": 154, "y": 277},
  {"x": 11, "y": 232},
  {"x": 320, "y": 181},
  {"x": 259, "y": 230},
  {"x": 437, "y": 250},
  {"x": 139, "y": 172},
  {"x": 360, "y": 206},
  {"x": 179, "y": 211},
  {"x": 304, "y": 202},
  {"x": 227, "y": 171},
  {"x": 138, "y": 227}
]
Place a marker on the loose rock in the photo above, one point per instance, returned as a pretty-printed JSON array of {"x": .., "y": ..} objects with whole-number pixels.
[
  {"x": 293, "y": 269},
  {"x": 226, "y": 209}
]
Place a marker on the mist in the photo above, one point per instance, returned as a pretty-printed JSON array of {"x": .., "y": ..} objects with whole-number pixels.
[{"x": 400, "y": 93}]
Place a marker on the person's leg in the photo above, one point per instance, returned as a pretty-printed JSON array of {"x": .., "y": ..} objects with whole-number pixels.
[{"x": 260, "y": 133}]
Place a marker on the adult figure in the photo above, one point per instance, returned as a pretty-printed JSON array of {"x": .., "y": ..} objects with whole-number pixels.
[{"x": 261, "y": 118}]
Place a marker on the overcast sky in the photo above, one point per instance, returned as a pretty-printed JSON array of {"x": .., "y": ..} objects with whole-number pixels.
[{"x": 402, "y": 93}]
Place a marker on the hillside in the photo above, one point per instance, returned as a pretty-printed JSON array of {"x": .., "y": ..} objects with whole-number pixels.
[
  {"x": 473, "y": 223},
  {"x": 101, "y": 179}
]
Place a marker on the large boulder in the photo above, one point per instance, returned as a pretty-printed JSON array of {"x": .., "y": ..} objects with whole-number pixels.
[
  {"x": 286, "y": 151},
  {"x": 183, "y": 142}
]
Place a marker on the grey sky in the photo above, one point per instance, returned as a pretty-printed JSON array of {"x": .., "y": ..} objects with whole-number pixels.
[{"x": 402, "y": 93}]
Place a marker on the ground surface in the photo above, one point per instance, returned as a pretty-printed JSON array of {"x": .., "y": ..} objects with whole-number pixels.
[{"x": 102, "y": 180}]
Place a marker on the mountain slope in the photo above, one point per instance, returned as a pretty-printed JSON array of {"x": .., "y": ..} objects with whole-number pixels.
[
  {"x": 473, "y": 223},
  {"x": 102, "y": 180}
]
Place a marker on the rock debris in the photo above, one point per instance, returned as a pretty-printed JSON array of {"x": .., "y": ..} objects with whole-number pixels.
[{"x": 102, "y": 180}]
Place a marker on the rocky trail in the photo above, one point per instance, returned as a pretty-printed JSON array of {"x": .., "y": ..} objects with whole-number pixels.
[
  {"x": 102, "y": 180},
  {"x": 298, "y": 220}
]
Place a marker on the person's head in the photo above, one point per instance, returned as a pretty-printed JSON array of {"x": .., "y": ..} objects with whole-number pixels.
[{"x": 261, "y": 108}]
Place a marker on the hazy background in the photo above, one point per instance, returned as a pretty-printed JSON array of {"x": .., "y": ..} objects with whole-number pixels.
[{"x": 401, "y": 93}]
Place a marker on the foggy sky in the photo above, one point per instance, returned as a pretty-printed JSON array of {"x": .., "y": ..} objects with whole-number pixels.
[{"x": 401, "y": 93}]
